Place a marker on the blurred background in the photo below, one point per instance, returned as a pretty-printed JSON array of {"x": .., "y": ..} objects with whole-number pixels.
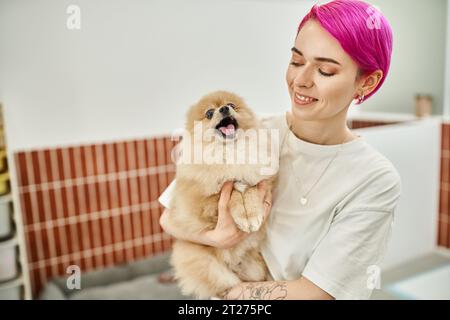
[{"x": 91, "y": 92}]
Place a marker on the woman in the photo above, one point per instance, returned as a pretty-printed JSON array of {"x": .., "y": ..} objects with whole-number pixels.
[{"x": 333, "y": 208}]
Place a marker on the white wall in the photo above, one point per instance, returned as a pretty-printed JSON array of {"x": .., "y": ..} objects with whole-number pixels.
[
  {"x": 135, "y": 66},
  {"x": 446, "y": 111},
  {"x": 415, "y": 226},
  {"x": 418, "y": 58}
]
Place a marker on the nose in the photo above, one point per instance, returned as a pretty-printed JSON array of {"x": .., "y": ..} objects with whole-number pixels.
[
  {"x": 224, "y": 110},
  {"x": 304, "y": 78}
]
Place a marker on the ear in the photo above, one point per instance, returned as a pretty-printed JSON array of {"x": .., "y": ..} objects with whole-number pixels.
[{"x": 368, "y": 83}]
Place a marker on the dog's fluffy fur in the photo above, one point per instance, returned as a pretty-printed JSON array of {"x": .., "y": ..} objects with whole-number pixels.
[{"x": 204, "y": 271}]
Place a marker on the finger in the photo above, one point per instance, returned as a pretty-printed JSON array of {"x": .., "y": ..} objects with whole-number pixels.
[
  {"x": 267, "y": 204},
  {"x": 262, "y": 188},
  {"x": 225, "y": 194},
  {"x": 228, "y": 185},
  {"x": 241, "y": 236}
]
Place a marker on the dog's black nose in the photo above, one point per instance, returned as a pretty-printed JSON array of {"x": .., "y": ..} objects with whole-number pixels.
[{"x": 224, "y": 110}]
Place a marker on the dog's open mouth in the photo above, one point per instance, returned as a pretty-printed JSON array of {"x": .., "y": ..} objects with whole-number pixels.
[{"x": 227, "y": 127}]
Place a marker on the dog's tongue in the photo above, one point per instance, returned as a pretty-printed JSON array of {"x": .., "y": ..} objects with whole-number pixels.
[{"x": 227, "y": 130}]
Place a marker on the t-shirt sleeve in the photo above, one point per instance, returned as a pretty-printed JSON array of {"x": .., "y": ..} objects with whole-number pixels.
[
  {"x": 165, "y": 197},
  {"x": 346, "y": 262}
]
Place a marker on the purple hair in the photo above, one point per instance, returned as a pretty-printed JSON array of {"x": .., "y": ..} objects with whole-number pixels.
[{"x": 362, "y": 31}]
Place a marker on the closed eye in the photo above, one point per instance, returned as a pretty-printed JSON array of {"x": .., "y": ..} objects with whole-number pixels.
[
  {"x": 326, "y": 74},
  {"x": 296, "y": 64}
]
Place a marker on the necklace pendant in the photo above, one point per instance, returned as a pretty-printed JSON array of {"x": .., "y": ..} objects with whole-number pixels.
[{"x": 303, "y": 200}]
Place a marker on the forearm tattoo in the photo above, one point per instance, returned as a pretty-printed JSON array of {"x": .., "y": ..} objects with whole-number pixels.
[{"x": 270, "y": 290}]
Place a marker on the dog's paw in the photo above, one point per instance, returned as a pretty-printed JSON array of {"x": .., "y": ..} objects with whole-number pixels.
[
  {"x": 255, "y": 222},
  {"x": 248, "y": 224},
  {"x": 242, "y": 223}
]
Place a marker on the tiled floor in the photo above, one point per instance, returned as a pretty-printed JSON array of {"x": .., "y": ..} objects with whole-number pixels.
[{"x": 413, "y": 268}]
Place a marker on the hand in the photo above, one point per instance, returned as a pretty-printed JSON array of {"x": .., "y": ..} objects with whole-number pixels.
[
  {"x": 226, "y": 234},
  {"x": 266, "y": 195}
]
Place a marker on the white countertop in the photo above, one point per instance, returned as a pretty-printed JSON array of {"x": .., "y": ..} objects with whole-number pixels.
[{"x": 355, "y": 114}]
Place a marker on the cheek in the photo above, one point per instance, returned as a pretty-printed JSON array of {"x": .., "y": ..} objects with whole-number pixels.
[{"x": 335, "y": 88}]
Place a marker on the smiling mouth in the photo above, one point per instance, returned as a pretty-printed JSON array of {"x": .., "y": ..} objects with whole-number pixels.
[
  {"x": 304, "y": 99},
  {"x": 227, "y": 127}
]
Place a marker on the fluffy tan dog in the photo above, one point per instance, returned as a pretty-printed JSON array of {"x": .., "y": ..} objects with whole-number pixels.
[{"x": 223, "y": 122}]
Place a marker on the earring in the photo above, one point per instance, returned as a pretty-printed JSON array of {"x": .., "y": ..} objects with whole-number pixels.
[{"x": 361, "y": 98}]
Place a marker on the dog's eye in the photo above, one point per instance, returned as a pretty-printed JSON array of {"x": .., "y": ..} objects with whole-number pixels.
[
  {"x": 209, "y": 114},
  {"x": 231, "y": 105}
]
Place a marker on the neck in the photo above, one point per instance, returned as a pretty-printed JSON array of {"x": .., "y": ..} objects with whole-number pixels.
[{"x": 332, "y": 132}]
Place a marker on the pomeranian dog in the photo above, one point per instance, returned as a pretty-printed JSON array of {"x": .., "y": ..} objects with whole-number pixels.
[{"x": 221, "y": 122}]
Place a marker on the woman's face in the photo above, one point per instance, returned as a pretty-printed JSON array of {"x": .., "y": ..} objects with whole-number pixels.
[{"x": 322, "y": 70}]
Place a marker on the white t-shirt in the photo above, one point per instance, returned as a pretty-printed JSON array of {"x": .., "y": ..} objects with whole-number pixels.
[{"x": 338, "y": 238}]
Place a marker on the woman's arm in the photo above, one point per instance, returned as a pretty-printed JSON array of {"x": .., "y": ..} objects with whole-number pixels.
[
  {"x": 300, "y": 289},
  {"x": 223, "y": 237},
  {"x": 226, "y": 234}
]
